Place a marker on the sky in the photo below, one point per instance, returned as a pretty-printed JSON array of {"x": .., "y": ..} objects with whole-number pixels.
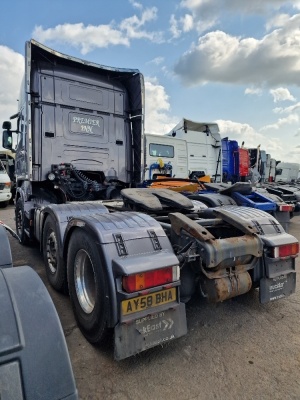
[{"x": 234, "y": 62}]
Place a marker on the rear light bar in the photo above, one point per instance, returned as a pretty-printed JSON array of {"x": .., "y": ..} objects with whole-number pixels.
[
  {"x": 286, "y": 207},
  {"x": 146, "y": 280},
  {"x": 285, "y": 250}
]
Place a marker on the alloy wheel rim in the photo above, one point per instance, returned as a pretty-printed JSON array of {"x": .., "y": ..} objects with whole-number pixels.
[{"x": 85, "y": 284}]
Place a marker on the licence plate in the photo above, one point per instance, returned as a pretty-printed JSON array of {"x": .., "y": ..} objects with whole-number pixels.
[{"x": 150, "y": 300}]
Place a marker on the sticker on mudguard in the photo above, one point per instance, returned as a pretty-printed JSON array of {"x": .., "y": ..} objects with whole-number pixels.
[
  {"x": 149, "y": 331},
  {"x": 276, "y": 288}
]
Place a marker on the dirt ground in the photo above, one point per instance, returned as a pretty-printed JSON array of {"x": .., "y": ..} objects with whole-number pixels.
[{"x": 234, "y": 350}]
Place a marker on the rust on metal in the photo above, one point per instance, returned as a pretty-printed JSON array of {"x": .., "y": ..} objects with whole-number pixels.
[
  {"x": 217, "y": 290},
  {"x": 181, "y": 222}
]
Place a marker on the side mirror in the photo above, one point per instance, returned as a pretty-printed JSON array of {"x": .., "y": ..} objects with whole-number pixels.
[
  {"x": 6, "y": 125},
  {"x": 7, "y": 141}
]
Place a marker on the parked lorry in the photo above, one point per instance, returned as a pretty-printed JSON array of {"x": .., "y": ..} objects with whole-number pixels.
[
  {"x": 235, "y": 161},
  {"x": 270, "y": 169},
  {"x": 204, "y": 148},
  {"x": 5, "y": 187},
  {"x": 128, "y": 257},
  {"x": 165, "y": 156},
  {"x": 191, "y": 150},
  {"x": 287, "y": 172},
  {"x": 7, "y": 157}
]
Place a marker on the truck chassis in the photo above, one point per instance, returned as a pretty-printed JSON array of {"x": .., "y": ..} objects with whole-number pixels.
[{"x": 130, "y": 265}]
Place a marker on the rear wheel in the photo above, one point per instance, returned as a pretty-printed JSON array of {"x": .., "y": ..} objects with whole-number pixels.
[
  {"x": 88, "y": 287},
  {"x": 55, "y": 266},
  {"x": 21, "y": 222}
]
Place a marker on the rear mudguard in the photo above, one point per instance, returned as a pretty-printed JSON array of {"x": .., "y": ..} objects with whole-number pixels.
[
  {"x": 62, "y": 214},
  {"x": 130, "y": 243},
  {"x": 213, "y": 199}
]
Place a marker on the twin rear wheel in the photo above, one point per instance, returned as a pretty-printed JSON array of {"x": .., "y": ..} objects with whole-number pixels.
[
  {"x": 88, "y": 287},
  {"x": 83, "y": 275}
]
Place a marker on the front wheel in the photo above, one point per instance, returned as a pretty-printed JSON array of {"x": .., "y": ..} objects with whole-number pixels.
[
  {"x": 88, "y": 287},
  {"x": 54, "y": 264}
]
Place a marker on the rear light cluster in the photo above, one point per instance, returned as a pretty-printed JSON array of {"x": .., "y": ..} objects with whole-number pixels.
[
  {"x": 146, "y": 280},
  {"x": 286, "y": 207},
  {"x": 285, "y": 251}
]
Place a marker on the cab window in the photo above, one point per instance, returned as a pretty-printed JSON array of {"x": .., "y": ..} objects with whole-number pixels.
[{"x": 161, "y": 150}]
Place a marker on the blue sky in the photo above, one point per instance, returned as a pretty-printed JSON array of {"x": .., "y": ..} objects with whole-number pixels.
[{"x": 236, "y": 62}]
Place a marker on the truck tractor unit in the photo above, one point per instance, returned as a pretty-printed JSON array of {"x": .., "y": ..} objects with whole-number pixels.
[
  {"x": 236, "y": 161},
  {"x": 129, "y": 257}
]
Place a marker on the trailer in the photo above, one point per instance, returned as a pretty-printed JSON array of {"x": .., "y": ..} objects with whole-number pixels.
[{"x": 129, "y": 257}]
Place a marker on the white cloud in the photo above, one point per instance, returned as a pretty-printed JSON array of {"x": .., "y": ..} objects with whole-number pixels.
[
  {"x": 297, "y": 133},
  {"x": 245, "y": 132},
  {"x": 90, "y": 37},
  {"x": 183, "y": 24},
  {"x": 209, "y": 11},
  {"x": 11, "y": 74},
  {"x": 292, "y": 118},
  {"x": 174, "y": 27},
  {"x": 218, "y": 57},
  {"x": 157, "y": 60},
  {"x": 281, "y": 94},
  {"x": 277, "y": 21},
  {"x": 157, "y": 107},
  {"x": 135, "y": 4},
  {"x": 287, "y": 110},
  {"x": 132, "y": 26},
  {"x": 254, "y": 91},
  {"x": 86, "y": 38},
  {"x": 240, "y": 132},
  {"x": 187, "y": 23}
]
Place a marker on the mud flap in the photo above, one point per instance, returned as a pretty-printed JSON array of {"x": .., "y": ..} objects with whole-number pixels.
[
  {"x": 277, "y": 288},
  {"x": 154, "y": 329}
]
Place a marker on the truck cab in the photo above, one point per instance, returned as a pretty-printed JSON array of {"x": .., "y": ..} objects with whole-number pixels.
[
  {"x": 204, "y": 148},
  {"x": 79, "y": 127}
]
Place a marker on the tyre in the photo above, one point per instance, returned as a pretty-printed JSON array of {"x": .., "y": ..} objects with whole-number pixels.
[
  {"x": 54, "y": 264},
  {"x": 88, "y": 287},
  {"x": 3, "y": 204},
  {"x": 21, "y": 222}
]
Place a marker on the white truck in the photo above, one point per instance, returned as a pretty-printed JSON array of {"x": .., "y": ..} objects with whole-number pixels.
[
  {"x": 287, "y": 172},
  {"x": 190, "y": 150}
]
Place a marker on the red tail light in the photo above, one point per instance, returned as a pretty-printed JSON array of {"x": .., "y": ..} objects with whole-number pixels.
[
  {"x": 145, "y": 280},
  {"x": 286, "y": 207},
  {"x": 285, "y": 251}
]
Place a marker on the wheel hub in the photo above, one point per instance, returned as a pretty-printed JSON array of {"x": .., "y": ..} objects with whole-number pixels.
[
  {"x": 51, "y": 248},
  {"x": 84, "y": 277}
]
